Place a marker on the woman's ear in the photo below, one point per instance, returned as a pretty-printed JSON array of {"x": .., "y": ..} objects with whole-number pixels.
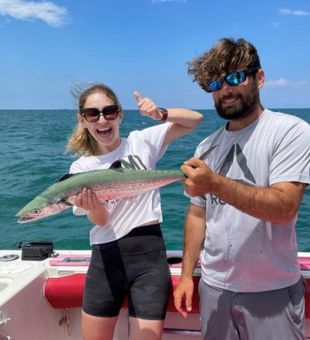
[
  {"x": 79, "y": 118},
  {"x": 121, "y": 115}
]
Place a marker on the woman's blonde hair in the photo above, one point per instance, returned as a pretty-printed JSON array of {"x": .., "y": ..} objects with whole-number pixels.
[{"x": 81, "y": 141}]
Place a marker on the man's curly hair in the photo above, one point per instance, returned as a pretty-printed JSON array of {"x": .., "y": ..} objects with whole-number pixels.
[{"x": 227, "y": 55}]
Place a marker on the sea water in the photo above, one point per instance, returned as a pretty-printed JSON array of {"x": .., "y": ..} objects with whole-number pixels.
[{"x": 32, "y": 144}]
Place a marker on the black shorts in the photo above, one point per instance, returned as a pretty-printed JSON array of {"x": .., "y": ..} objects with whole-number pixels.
[{"x": 134, "y": 266}]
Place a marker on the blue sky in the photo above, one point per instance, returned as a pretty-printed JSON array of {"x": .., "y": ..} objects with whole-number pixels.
[{"x": 145, "y": 45}]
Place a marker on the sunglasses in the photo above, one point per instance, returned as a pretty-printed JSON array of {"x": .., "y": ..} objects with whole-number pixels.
[
  {"x": 232, "y": 79},
  {"x": 92, "y": 114}
]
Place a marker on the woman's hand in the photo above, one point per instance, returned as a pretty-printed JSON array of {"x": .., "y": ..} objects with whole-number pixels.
[
  {"x": 87, "y": 200},
  {"x": 182, "y": 121},
  {"x": 147, "y": 107},
  {"x": 96, "y": 210}
]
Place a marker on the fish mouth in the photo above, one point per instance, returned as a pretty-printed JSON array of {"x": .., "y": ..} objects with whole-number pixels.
[{"x": 25, "y": 219}]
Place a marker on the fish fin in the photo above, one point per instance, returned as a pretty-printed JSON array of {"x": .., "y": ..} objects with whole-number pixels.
[
  {"x": 117, "y": 165},
  {"x": 65, "y": 202}
]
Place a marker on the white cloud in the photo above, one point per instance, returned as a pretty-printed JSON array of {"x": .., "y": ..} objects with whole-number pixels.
[
  {"x": 46, "y": 11},
  {"x": 287, "y": 11},
  {"x": 276, "y": 24},
  {"x": 282, "y": 82},
  {"x": 153, "y": 1}
]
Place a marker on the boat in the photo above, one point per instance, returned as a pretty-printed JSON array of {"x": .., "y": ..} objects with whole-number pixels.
[{"x": 40, "y": 299}]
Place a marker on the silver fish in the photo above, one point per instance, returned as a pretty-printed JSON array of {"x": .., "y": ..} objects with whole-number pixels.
[{"x": 108, "y": 184}]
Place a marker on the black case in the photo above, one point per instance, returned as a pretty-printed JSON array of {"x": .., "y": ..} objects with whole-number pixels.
[{"x": 37, "y": 250}]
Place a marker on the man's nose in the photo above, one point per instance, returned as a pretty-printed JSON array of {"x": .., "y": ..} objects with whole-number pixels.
[{"x": 226, "y": 87}]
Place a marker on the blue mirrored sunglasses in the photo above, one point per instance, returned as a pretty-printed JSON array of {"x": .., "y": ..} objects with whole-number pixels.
[{"x": 233, "y": 79}]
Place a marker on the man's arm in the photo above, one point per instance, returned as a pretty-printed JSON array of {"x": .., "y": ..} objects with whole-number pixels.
[
  {"x": 194, "y": 234},
  {"x": 278, "y": 203}
]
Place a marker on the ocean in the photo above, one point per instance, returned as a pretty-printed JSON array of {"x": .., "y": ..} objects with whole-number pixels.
[{"x": 33, "y": 157}]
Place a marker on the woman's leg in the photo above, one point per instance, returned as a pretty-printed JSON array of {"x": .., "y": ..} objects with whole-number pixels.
[
  {"x": 104, "y": 292},
  {"x": 141, "y": 329},
  {"x": 97, "y": 328}
]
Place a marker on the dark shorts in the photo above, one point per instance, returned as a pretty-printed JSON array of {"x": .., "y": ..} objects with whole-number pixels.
[{"x": 135, "y": 267}]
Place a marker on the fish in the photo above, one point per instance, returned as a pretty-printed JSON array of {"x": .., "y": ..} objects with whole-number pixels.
[{"x": 108, "y": 184}]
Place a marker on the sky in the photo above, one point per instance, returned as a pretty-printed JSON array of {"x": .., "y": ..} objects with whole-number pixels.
[{"x": 48, "y": 46}]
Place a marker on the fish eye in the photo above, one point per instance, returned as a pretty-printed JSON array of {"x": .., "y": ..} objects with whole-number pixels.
[{"x": 36, "y": 211}]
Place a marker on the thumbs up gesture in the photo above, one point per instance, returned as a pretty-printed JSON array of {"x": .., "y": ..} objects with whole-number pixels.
[{"x": 147, "y": 107}]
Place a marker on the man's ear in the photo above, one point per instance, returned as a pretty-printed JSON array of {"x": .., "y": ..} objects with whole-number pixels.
[{"x": 260, "y": 78}]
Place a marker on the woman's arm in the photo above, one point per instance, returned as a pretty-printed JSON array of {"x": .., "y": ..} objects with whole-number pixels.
[{"x": 183, "y": 120}]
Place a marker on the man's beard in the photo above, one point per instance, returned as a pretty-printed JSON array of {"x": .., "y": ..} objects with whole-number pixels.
[{"x": 239, "y": 110}]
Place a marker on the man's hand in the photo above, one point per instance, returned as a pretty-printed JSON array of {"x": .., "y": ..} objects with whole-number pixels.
[
  {"x": 183, "y": 295},
  {"x": 199, "y": 179}
]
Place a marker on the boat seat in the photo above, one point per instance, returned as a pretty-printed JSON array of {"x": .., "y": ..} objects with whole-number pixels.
[{"x": 67, "y": 292}]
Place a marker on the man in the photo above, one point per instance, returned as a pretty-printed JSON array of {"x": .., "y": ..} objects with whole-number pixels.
[{"x": 246, "y": 183}]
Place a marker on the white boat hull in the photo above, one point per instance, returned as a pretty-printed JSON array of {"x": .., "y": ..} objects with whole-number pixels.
[{"x": 40, "y": 300}]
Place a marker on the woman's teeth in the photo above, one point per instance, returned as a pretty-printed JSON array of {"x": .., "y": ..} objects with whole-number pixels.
[{"x": 104, "y": 131}]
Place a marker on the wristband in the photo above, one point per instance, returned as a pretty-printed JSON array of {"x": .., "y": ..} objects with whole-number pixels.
[{"x": 164, "y": 113}]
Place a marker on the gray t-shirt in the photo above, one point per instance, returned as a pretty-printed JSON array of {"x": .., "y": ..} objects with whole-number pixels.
[{"x": 242, "y": 253}]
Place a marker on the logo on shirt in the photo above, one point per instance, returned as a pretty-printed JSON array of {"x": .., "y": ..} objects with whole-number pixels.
[{"x": 235, "y": 152}]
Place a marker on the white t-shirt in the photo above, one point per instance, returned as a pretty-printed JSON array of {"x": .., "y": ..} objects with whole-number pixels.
[
  {"x": 242, "y": 253},
  {"x": 140, "y": 150}
]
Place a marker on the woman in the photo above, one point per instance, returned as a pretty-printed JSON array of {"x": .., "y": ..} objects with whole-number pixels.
[{"x": 128, "y": 252}]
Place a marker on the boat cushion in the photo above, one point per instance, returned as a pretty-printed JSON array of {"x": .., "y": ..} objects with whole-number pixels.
[{"x": 67, "y": 292}]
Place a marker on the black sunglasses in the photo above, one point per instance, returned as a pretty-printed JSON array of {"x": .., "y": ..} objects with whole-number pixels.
[
  {"x": 233, "y": 79},
  {"x": 92, "y": 114}
]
